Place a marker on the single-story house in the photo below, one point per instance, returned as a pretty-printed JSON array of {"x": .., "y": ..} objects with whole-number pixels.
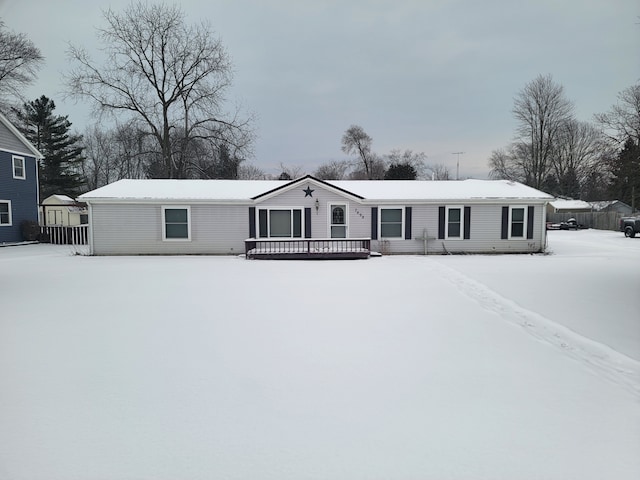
[
  {"x": 612, "y": 206},
  {"x": 175, "y": 217},
  {"x": 560, "y": 205},
  {"x": 63, "y": 210}
]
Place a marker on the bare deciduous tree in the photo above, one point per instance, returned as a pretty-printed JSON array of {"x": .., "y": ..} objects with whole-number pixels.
[
  {"x": 438, "y": 171},
  {"x": 503, "y": 166},
  {"x": 623, "y": 120},
  {"x": 169, "y": 76},
  {"x": 578, "y": 149},
  {"x": 376, "y": 169},
  {"x": 251, "y": 172},
  {"x": 122, "y": 152},
  {"x": 408, "y": 157},
  {"x": 356, "y": 141},
  {"x": 20, "y": 61},
  {"x": 99, "y": 154},
  {"x": 540, "y": 109},
  {"x": 334, "y": 170},
  {"x": 290, "y": 172}
]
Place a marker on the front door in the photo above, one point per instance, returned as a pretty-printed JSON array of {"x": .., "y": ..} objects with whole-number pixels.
[{"x": 338, "y": 220}]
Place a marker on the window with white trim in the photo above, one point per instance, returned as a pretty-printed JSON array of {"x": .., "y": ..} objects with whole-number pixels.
[
  {"x": 280, "y": 223},
  {"x": 391, "y": 222},
  {"x": 517, "y": 222},
  {"x": 176, "y": 223},
  {"x": 5, "y": 213},
  {"x": 453, "y": 222},
  {"x": 338, "y": 221},
  {"x": 18, "y": 168}
]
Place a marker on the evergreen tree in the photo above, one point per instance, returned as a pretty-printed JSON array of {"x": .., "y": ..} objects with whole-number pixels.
[
  {"x": 569, "y": 185},
  {"x": 227, "y": 166},
  {"x": 400, "y": 171},
  {"x": 60, "y": 170},
  {"x": 625, "y": 172}
]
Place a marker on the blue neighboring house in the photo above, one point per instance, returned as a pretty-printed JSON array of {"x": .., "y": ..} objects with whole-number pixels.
[{"x": 18, "y": 181}]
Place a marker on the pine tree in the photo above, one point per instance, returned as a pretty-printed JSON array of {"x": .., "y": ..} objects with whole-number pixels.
[
  {"x": 400, "y": 171},
  {"x": 60, "y": 170},
  {"x": 625, "y": 171},
  {"x": 226, "y": 166}
]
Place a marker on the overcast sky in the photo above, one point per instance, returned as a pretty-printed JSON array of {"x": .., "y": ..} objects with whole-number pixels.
[{"x": 433, "y": 76}]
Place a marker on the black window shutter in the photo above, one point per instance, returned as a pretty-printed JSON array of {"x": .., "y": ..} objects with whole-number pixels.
[
  {"x": 307, "y": 222},
  {"x": 252, "y": 222},
  {"x": 263, "y": 222},
  {"x": 530, "y": 222},
  {"x": 505, "y": 223},
  {"x": 374, "y": 223},
  {"x": 441, "y": 225},
  {"x": 467, "y": 223},
  {"x": 407, "y": 223}
]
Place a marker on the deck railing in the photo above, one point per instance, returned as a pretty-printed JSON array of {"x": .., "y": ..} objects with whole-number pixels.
[
  {"x": 307, "y": 247},
  {"x": 64, "y": 235}
]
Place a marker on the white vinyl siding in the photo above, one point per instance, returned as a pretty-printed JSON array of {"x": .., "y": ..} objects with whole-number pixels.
[
  {"x": 358, "y": 216},
  {"x": 485, "y": 225},
  {"x": 137, "y": 229}
]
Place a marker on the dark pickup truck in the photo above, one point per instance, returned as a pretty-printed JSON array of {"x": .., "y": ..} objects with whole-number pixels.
[{"x": 630, "y": 226}]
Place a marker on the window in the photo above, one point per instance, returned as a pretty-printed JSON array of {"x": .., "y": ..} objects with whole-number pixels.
[
  {"x": 280, "y": 223},
  {"x": 18, "y": 168},
  {"x": 518, "y": 222},
  {"x": 176, "y": 223},
  {"x": 391, "y": 220},
  {"x": 454, "y": 222},
  {"x": 338, "y": 221},
  {"x": 5, "y": 213}
]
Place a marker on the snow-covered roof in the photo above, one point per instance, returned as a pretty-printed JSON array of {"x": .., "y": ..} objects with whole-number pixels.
[
  {"x": 602, "y": 205},
  {"x": 183, "y": 189},
  {"x": 59, "y": 199},
  {"x": 561, "y": 204},
  {"x": 437, "y": 190},
  {"x": 380, "y": 190}
]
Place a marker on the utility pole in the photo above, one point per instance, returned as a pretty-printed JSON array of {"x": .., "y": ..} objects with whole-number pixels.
[{"x": 457, "y": 164}]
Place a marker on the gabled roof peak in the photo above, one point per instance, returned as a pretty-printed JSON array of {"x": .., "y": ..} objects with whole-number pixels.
[
  {"x": 307, "y": 178},
  {"x": 33, "y": 150}
]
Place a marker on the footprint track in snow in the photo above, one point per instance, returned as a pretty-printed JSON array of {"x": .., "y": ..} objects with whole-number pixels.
[{"x": 597, "y": 357}]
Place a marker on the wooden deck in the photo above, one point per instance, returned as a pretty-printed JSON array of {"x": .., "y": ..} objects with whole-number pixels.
[{"x": 307, "y": 248}]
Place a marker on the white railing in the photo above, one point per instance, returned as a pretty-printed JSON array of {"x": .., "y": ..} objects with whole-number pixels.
[
  {"x": 307, "y": 247},
  {"x": 62, "y": 235}
]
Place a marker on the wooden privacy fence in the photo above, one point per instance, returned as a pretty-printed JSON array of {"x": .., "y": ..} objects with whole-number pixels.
[
  {"x": 597, "y": 220},
  {"x": 61, "y": 235}
]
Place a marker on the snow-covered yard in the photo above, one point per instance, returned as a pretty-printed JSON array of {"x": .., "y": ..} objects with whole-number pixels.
[{"x": 456, "y": 367}]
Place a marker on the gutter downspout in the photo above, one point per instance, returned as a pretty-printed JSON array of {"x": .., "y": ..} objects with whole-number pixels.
[
  {"x": 91, "y": 250},
  {"x": 544, "y": 226}
]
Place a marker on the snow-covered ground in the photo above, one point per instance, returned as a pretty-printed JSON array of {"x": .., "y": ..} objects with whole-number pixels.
[{"x": 456, "y": 367}]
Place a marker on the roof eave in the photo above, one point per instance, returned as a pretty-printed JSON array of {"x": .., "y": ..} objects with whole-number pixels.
[{"x": 33, "y": 150}]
